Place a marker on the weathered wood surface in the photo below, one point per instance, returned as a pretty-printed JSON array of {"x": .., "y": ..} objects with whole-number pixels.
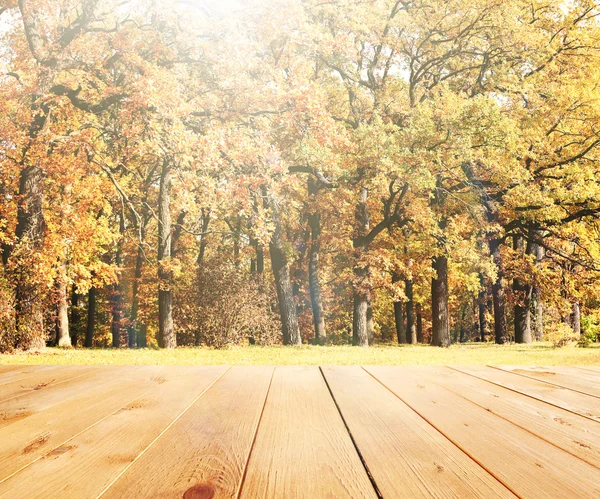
[
  {"x": 405, "y": 454},
  {"x": 576, "y": 402},
  {"x": 565, "y": 377},
  {"x": 207, "y": 449},
  {"x": 526, "y": 464},
  {"x": 302, "y": 447},
  {"x": 203, "y": 432}
]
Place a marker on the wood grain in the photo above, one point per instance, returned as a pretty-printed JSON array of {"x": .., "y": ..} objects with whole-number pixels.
[
  {"x": 37, "y": 423},
  {"x": 302, "y": 447},
  {"x": 43, "y": 379},
  {"x": 571, "y": 378},
  {"x": 20, "y": 373},
  {"x": 570, "y": 432},
  {"x": 406, "y": 456},
  {"x": 529, "y": 466},
  {"x": 6, "y": 372},
  {"x": 564, "y": 398},
  {"x": 86, "y": 464},
  {"x": 208, "y": 447}
]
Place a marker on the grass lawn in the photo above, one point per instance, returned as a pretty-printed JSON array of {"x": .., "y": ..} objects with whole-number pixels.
[{"x": 539, "y": 354}]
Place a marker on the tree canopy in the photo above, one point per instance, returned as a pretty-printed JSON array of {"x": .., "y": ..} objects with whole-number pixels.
[{"x": 189, "y": 173}]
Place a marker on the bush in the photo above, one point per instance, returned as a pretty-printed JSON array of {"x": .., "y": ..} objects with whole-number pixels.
[
  {"x": 226, "y": 307},
  {"x": 560, "y": 334},
  {"x": 590, "y": 331}
]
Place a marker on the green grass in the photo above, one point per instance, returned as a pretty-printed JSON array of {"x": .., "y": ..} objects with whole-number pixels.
[{"x": 540, "y": 354}]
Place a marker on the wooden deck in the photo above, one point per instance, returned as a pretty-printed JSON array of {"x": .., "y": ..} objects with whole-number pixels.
[{"x": 305, "y": 432}]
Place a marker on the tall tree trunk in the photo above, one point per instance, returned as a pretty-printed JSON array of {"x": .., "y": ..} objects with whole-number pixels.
[
  {"x": 281, "y": 272},
  {"x": 64, "y": 340},
  {"x": 30, "y": 239},
  {"x": 116, "y": 297},
  {"x": 166, "y": 332},
  {"x": 134, "y": 330},
  {"x": 75, "y": 318},
  {"x": 360, "y": 328},
  {"x": 257, "y": 264},
  {"x": 537, "y": 305},
  {"x": 361, "y": 288},
  {"x": 314, "y": 284},
  {"x": 411, "y": 327},
  {"x": 522, "y": 315},
  {"x": 370, "y": 321},
  {"x": 439, "y": 303},
  {"x": 419, "y": 311},
  {"x": 91, "y": 318},
  {"x": 399, "y": 321},
  {"x": 499, "y": 296},
  {"x": 440, "y": 319},
  {"x": 481, "y": 302}
]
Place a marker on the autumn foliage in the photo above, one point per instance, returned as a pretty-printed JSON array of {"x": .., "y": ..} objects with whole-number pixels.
[{"x": 209, "y": 173}]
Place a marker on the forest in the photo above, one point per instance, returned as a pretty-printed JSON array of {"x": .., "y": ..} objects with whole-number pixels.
[{"x": 204, "y": 173}]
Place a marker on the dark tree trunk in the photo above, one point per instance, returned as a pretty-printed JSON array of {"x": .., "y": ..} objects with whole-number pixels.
[
  {"x": 411, "y": 327},
  {"x": 370, "y": 322},
  {"x": 91, "y": 318},
  {"x": 166, "y": 332},
  {"x": 135, "y": 300},
  {"x": 283, "y": 283},
  {"x": 399, "y": 320},
  {"x": 142, "y": 338},
  {"x": 64, "y": 339},
  {"x": 482, "y": 321},
  {"x": 75, "y": 318},
  {"x": 30, "y": 239},
  {"x": 440, "y": 319},
  {"x": 499, "y": 296},
  {"x": 537, "y": 305},
  {"x": 257, "y": 264},
  {"x": 116, "y": 296},
  {"x": 522, "y": 315},
  {"x": 314, "y": 222},
  {"x": 576, "y": 319},
  {"x": 419, "y": 311},
  {"x": 481, "y": 302},
  {"x": 439, "y": 303}
]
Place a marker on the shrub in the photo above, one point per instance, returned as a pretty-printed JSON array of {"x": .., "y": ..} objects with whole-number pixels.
[{"x": 226, "y": 307}]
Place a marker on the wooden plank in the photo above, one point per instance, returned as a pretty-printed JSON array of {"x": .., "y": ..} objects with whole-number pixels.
[
  {"x": 30, "y": 401},
  {"x": 208, "y": 448},
  {"x": 592, "y": 368},
  {"x": 564, "y": 398},
  {"x": 406, "y": 456},
  {"x": 574, "y": 434},
  {"x": 20, "y": 373},
  {"x": 565, "y": 377},
  {"x": 527, "y": 465},
  {"x": 43, "y": 380},
  {"x": 5, "y": 370},
  {"x": 40, "y": 423},
  {"x": 588, "y": 370},
  {"x": 302, "y": 447},
  {"x": 84, "y": 465}
]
